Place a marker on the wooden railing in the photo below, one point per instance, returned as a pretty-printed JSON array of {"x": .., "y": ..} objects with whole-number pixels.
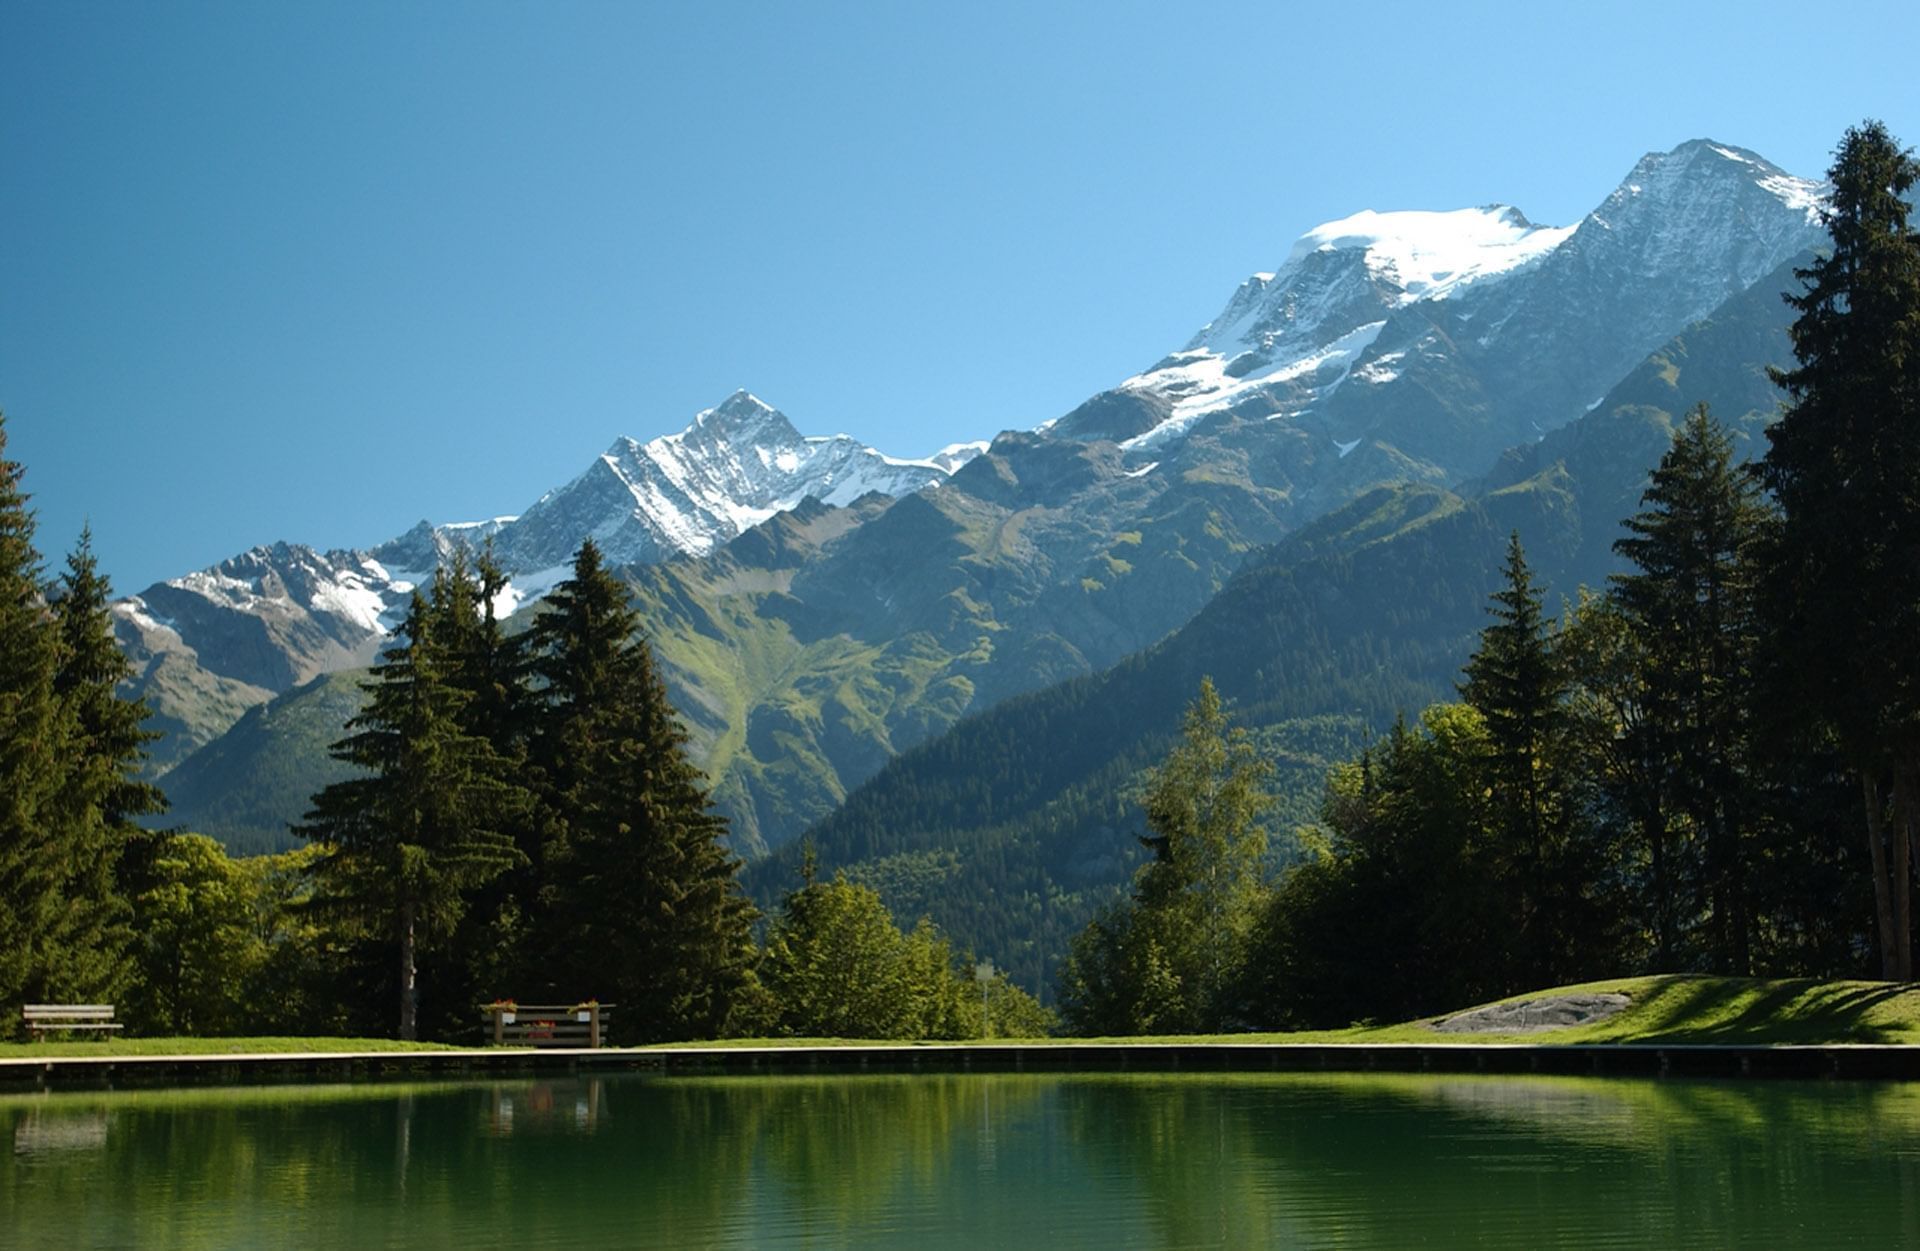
[{"x": 547, "y": 1025}]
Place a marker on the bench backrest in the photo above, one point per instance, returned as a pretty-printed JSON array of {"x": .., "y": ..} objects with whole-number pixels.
[
  {"x": 549, "y": 1025},
  {"x": 67, "y": 1012}
]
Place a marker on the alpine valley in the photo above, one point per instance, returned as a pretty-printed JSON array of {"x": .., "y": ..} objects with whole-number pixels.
[{"x": 1307, "y": 501}]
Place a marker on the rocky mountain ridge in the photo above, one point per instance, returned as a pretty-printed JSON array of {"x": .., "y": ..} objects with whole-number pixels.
[
  {"x": 1450, "y": 335},
  {"x": 1013, "y": 827},
  {"x": 210, "y": 644},
  {"x": 810, "y": 649}
]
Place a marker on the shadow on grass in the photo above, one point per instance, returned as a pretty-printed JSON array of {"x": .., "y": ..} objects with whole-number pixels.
[{"x": 1682, "y": 1009}]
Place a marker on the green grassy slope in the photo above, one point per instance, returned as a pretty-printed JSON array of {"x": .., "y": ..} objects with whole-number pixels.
[
  {"x": 1682, "y": 1010},
  {"x": 812, "y": 650}
]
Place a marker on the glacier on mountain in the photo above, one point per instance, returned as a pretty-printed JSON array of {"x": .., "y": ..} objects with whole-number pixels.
[
  {"x": 1428, "y": 254},
  {"x": 1372, "y": 298}
]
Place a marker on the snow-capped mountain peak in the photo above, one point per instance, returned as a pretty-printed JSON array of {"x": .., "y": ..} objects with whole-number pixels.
[
  {"x": 734, "y": 466},
  {"x": 278, "y": 615},
  {"x": 1702, "y": 168},
  {"x": 1371, "y": 302},
  {"x": 1429, "y": 254},
  {"x": 742, "y": 417},
  {"x": 1343, "y": 274}
]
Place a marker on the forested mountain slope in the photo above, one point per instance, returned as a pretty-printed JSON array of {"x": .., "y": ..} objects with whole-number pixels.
[
  {"x": 246, "y": 786},
  {"x": 1009, "y": 829}
]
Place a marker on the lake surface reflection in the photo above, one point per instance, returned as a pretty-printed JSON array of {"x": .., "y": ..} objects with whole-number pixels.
[{"x": 968, "y": 1161}]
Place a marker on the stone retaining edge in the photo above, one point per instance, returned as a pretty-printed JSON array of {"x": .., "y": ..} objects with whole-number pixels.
[{"x": 1853, "y": 1061}]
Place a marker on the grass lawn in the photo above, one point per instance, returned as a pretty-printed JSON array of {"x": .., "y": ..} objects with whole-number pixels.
[
  {"x": 1682, "y": 1009},
  {"x": 1665, "y": 1009}
]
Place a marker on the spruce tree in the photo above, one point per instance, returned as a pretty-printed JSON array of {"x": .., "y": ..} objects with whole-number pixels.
[
  {"x": 409, "y": 840},
  {"x": 101, "y": 790},
  {"x": 643, "y": 904},
  {"x": 1517, "y": 684},
  {"x": 1843, "y": 462},
  {"x": 487, "y": 957},
  {"x": 495, "y": 664},
  {"x": 32, "y": 733},
  {"x": 1691, "y": 604},
  {"x": 112, "y": 733}
]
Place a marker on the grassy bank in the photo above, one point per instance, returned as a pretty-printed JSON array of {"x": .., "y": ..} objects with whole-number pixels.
[
  {"x": 1680, "y": 1010},
  {"x": 1663, "y": 1010},
  {"x": 204, "y": 1046}
]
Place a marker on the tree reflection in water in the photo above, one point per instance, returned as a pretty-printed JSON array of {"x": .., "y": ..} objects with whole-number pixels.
[{"x": 967, "y": 1160}]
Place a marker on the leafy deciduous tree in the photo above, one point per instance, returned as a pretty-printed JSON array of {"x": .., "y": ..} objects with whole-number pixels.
[
  {"x": 837, "y": 966},
  {"x": 1170, "y": 958}
]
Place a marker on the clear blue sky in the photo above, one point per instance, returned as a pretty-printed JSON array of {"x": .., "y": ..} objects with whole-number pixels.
[{"x": 316, "y": 271}]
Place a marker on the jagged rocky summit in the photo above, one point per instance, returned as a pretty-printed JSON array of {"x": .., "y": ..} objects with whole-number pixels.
[{"x": 208, "y": 645}]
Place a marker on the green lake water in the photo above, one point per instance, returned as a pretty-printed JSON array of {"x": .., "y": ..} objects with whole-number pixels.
[{"x": 929, "y": 1162}]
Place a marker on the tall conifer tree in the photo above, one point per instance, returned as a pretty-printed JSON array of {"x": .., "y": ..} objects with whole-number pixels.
[
  {"x": 487, "y": 956},
  {"x": 1844, "y": 465},
  {"x": 410, "y": 839},
  {"x": 1691, "y": 602},
  {"x": 101, "y": 790},
  {"x": 644, "y": 903},
  {"x": 1517, "y": 684},
  {"x": 32, "y": 731},
  {"x": 112, "y": 733},
  {"x": 496, "y": 664}
]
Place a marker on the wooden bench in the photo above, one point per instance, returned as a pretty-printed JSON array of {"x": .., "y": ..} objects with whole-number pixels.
[
  {"x": 546, "y": 1025},
  {"x": 47, "y": 1018}
]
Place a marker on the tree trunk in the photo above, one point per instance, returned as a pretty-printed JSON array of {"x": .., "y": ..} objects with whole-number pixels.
[
  {"x": 409, "y": 998},
  {"x": 1902, "y": 872},
  {"x": 1718, "y": 904},
  {"x": 1740, "y": 925},
  {"x": 1662, "y": 891},
  {"x": 1883, "y": 907}
]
